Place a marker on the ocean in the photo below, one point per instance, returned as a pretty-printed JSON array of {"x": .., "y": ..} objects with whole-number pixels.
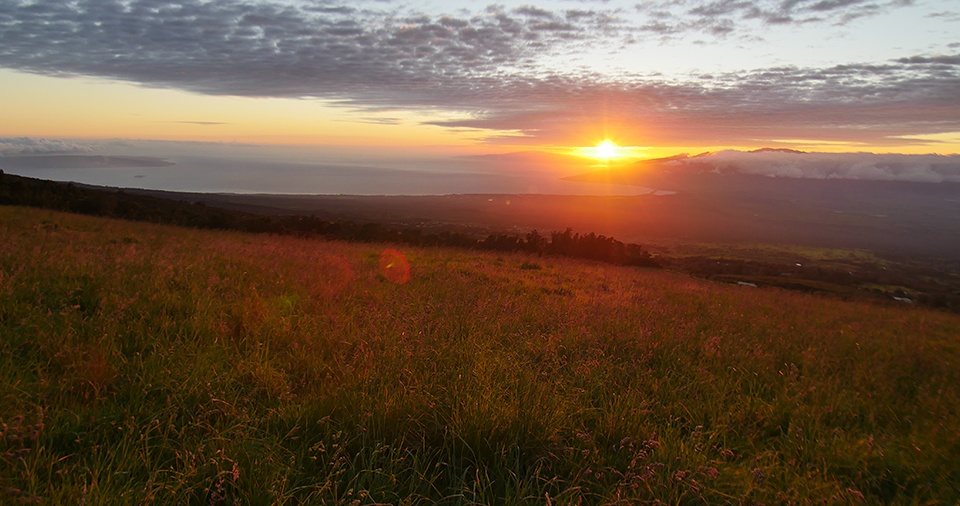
[{"x": 270, "y": 170}]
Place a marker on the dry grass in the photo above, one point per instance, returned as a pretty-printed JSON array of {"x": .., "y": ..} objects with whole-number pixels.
[{"x": 148, "y": 364}]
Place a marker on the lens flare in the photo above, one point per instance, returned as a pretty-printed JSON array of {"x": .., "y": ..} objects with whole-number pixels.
[{"x": 394, "y": 266}]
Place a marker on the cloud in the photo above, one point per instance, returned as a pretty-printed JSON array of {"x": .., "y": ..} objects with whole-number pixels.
[
  {"x": 12, "y": 146},
  {"x": 325, "y": 50},
  {"x": 723, "y": 17},
  {"x": 939, "y": 59},
  {"x": 857, "y": 103},
  {"x": 202, "y": 123},
  {"x": 948, "y": 15},
  {"x": 864, "y": 166}
]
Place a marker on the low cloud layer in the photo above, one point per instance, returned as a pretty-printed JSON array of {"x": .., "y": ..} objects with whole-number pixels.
[
  {"x": 12, "y": 146},
  {"x": 863, "y": 166},
  {"x": 487, "y": 66}
]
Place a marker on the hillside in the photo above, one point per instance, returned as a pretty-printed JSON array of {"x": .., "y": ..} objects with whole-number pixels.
[
  {"x": 497, "y": 223},
  {"x": 146, "y": 363}
]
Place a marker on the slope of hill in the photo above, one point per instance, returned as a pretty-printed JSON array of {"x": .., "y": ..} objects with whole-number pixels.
[
  {"x": 510, "y": 223},
  {"x": 151, "y": 364}
]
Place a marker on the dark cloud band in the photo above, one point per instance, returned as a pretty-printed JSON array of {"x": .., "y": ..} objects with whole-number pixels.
[{"x": 231, "y": 47}]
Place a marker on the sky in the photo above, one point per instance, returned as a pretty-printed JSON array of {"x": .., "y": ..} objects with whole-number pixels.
[{"x": 457, "y": 76}]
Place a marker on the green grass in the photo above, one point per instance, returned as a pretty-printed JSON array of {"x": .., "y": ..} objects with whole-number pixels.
[
  {"x": 775, "y": 253},
  {"x": 809, "y": 285},
  {"x": 146, "y": 364}
]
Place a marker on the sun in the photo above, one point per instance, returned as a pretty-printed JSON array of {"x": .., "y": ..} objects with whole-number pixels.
[{"x": 606, "y": 150}]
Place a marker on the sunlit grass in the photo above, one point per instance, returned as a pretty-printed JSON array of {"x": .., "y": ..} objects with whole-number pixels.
[
  {"x": 783, "y": 253},
  {"x": 149, "y": 364}
]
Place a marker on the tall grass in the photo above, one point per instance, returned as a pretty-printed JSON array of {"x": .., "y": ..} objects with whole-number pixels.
[{"x": 148, "y": 364}]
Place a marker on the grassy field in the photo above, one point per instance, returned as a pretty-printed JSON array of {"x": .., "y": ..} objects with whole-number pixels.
[{"x": 143, "y": 364}]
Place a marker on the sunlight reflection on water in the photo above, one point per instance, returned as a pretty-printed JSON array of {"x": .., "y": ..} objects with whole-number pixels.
[{"x": 224, "y": 175}]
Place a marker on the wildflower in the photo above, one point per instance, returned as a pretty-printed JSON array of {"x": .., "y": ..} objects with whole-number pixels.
[
  {"x": 712, "y": 346},
  {"x": 709, "y": 472}
]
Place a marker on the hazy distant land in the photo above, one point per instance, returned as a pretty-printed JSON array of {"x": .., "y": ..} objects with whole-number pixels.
[
  {"x": 704, "y": 234},
  {"x": 910, "y": 219},
  {"x": 848, "y": 200}
]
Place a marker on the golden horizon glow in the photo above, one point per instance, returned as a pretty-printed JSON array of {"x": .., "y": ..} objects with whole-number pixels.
[{"x": 89, "y": 108}]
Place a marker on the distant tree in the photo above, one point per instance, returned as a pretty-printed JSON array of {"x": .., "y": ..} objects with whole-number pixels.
[{"x": 535, "y": 243}]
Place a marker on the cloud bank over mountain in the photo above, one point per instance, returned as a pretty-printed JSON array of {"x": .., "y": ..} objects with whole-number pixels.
[
  {"x": 11, "y": 146},
  {"x": 787, "y": 164}
]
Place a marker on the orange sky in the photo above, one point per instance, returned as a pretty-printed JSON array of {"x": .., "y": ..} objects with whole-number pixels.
[{"x": 85, "y": 108}]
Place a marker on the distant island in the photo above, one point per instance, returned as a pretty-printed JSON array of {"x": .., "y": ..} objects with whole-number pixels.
[{"x": 80, "y": 161}]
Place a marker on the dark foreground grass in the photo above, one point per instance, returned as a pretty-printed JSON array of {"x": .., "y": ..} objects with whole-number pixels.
[{"x": 145, "y": 364}]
